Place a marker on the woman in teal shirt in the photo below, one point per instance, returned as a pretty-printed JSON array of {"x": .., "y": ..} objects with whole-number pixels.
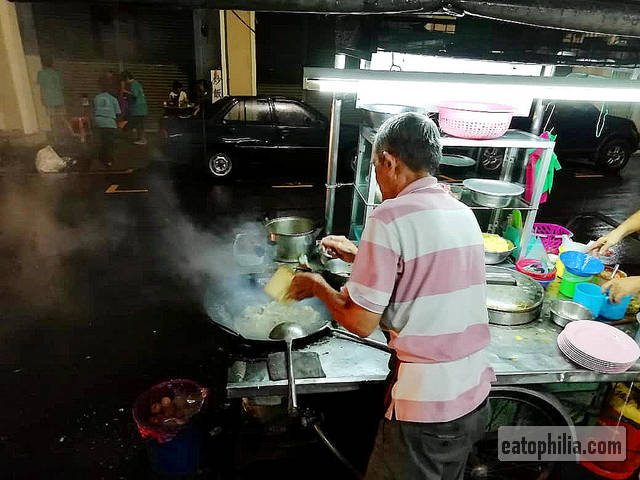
[{"x": 137, "y": 106}]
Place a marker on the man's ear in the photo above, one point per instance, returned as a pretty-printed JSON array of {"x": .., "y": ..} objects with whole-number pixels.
[{"x": 388, "y": 160}]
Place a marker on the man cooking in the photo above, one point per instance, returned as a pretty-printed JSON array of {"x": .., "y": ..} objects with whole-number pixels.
[{"x": 419, "y": 273}]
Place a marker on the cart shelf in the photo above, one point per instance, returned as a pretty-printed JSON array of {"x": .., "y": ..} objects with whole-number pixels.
[{"x": 364, "y": 198}]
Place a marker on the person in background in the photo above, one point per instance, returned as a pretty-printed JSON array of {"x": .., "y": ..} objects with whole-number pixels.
[
  {"x": 177, "y": 96},
  {"x": 105, "y": 113},
  {"x": 137, "y": 106},
  {"x": 419, "y": 273},
  {"x": 201, "y": 96},
  {"x": 618, "y": 287},
  {"x": 52, "y": 96}
]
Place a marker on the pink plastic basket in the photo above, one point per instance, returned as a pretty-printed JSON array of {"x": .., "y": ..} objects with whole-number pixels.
[
  {"x": 477, "y": 121},
  {"x": 550, "y": 235}
]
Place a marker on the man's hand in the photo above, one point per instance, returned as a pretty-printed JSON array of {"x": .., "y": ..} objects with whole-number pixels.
[
  {"x": 303, "y": 284},
  {"x": 603, "y": 244},
  {"x": 341, "y": 247},
  {"x": 619, "y": 287}
]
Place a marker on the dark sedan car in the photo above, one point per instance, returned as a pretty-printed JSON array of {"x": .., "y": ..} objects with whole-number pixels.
[
  {"x": 234, "y": 133},
  {"x": 582, "y": 132}
]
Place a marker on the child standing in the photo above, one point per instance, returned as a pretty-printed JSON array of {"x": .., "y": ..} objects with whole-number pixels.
[{"x": 105, "y": 112}]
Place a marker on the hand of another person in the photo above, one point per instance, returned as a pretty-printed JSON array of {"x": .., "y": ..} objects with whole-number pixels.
[
  {"x": 341, "y": 247},
  {"x": 619, "y": 287},
  {"x": 603, "y": 244},
  {"x": 302, "y": 285}
]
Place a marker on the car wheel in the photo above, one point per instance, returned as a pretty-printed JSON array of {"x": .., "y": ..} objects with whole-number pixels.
[
  {"x": 613, "y": 155},
  {"x": 491, "y": 158},
  {"x": 220, "y": 166}
]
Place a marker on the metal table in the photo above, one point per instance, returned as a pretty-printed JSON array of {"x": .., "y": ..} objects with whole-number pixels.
[{"x": 519, "y": 355}]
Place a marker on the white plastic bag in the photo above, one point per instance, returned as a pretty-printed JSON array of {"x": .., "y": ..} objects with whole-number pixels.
[{"x": 48, "y": 161}]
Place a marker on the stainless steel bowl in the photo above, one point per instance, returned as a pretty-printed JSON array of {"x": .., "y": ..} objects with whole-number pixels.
[
  {"x": 375, "y": 114},
  {"x": 493, "y": 258},
  {"x": 563, "y": 312},
  {"x": 492, "y": 193},
  {"x": 292, "y": 236}
]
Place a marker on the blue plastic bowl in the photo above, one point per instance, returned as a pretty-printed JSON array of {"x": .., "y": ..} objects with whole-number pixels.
[{"x": 581, "y": 264}]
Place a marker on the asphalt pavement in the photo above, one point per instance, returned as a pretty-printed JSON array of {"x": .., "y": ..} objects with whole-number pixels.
[{"x": 101, "y": 282}]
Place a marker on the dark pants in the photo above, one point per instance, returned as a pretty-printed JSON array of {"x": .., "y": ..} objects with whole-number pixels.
[
  {"x": 429, "y": 451},
  {"x": 106, "y": 150}
]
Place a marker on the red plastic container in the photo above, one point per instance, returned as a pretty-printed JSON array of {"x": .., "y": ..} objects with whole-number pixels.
[
  {"x": 540, "y": 277},
  {"x": 624, "y": 469}
]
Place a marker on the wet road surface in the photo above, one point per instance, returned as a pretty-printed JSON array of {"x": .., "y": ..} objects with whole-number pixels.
[{"x": 101, "y": 298}]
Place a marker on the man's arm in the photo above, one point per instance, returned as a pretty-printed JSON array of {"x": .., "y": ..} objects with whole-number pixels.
[{"x": 351, "y": 316}]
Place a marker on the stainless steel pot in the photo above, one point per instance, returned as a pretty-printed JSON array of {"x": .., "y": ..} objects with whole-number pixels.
[
  {"x": 292, "y": 237},
  {"x": 514, "y": 302},
  {"x": 376, "y": 114}
]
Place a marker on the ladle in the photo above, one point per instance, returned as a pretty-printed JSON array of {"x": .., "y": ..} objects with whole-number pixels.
[{"x": 288, "y": 332}]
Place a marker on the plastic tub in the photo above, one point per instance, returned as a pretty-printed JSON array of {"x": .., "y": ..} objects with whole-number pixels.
[
  {"x": 569, "y": 282},
  {"x": 544, "y": 283},
  {"x": 521, "y": 266},
  {"x": 615, "y": 311},
  {"x": 590, "y": 296}
]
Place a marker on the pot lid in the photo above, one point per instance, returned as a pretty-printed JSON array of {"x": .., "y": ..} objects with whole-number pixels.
[{"x": 512, "y": 291}]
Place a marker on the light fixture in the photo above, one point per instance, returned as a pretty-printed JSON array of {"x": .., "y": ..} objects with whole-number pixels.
[{"x": 454, "y": 85}]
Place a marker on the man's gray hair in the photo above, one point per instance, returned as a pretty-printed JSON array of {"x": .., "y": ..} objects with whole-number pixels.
[{"x": 412, "y": 138}]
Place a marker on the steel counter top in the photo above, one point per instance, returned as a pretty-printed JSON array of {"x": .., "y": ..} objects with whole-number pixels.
[{"x": 519, "y": 355}]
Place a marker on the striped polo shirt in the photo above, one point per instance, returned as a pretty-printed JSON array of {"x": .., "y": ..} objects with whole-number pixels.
[{"x": 420, "y": 264}]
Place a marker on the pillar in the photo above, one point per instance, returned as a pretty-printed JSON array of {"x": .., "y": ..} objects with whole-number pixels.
[
  {"x": 238, "y": 47},
  {"x": 32, "y": 56},
  {"x": 206, "y": 41},
  {"x": 17, "y": 105}
]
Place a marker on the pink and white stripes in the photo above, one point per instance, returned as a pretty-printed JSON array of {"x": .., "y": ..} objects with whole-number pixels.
[{"x": 421, "y": 265}]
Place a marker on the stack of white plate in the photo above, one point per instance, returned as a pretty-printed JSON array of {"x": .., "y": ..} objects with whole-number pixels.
[{"x": 598, "y": 346}]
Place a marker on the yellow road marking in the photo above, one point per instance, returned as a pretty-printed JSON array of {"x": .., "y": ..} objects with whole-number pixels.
[
  {"x": 114, "y": 189},
  {"x": 588, "y": 175}
]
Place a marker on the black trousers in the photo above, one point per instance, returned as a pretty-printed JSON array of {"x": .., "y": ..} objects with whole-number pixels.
[
  {"x": 429, "y": 451},
  {"x": 107, "y": 147}
]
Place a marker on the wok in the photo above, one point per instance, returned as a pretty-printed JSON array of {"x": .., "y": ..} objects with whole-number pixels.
[{"x": 225, "y": 301}]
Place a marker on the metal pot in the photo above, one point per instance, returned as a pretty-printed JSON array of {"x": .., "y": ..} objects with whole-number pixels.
[
  {"x": 516, "y": 302},
  {"x": 376, "y": 114},
  {"x": 494, "y": 258},
  {"x": 492, "y": 193},
  {"x": 292, "y": 237}
]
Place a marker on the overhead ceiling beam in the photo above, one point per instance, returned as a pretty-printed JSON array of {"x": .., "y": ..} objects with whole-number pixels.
[{"x": 600, "y": 16}]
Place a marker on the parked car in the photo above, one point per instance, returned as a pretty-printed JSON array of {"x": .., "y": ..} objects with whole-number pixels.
[
  {"x": 576, "y": 124},
  {"x": 283, "y": 134}
]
